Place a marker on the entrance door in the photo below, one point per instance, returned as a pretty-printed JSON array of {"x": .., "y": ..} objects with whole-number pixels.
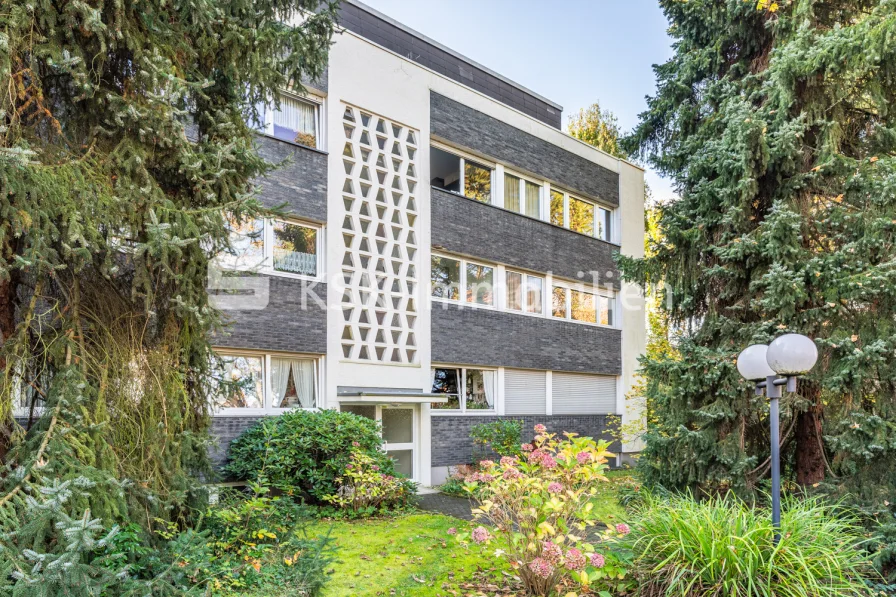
[{"x": 399, "y": 432}]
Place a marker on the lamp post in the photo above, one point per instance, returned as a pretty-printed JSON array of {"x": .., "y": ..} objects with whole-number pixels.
[{"x": 770, "y": 367}]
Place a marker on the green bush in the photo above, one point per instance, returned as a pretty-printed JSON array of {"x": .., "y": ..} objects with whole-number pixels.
[
  {"x": 304, "y": 451},
  {"x": 258, "y": 541},
  {"x": 502, "y": 437},
  {"x": 724, "y": 546},
  {"x": 365, "y": 490}
]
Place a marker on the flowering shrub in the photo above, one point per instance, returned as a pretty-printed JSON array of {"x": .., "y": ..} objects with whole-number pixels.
[
  {"x": 539, "y": 510},
  {"x": 364, "y": 488}
]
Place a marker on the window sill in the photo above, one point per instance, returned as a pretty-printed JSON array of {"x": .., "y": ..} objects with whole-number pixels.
[
  {"x": 459, "y": 413},
  {"x": 258, "y": 412},
  {"x": 277, "y": 274}
]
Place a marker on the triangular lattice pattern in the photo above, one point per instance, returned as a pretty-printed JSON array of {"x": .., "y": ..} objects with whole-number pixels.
[{"x": 379, "y": 231}]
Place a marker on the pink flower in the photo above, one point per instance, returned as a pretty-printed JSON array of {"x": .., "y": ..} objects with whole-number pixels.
[
  {"x": 486, "y": 464},
  {"x": 547, "y": 461},
  {"x": 349, "y": 466},
  {"x": 535, "y": 456},
  {"x": 508, "y": 461},
  {"x": 555, "y": 487},
  {"x": 575, "y": 560},
  {"x": 486, "y": 478},
  {"x": 452, "y": 531},
  {"x": 510, "y": 474},
  {"x": 356, "y": 444},
  {"x": 540, "y": 428},
  {"x": 541, "y": 567},
  {"x": 597, "y": 560},
  {"x": 479, "y": 535},
  {"x": 623, "y": 529},
  {"x": 374, "y": 467},
  {"x": 583, "y": 457},
  {"x": 526, "y": 447},
  {"x": 551, "y": 552}
]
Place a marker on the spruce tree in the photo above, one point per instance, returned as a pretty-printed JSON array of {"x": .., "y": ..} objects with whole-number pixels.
[
  {"x": 109, "y": 214},
  {"x": 776, "y": 122}
]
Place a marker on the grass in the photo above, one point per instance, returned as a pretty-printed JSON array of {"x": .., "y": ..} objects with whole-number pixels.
[
  {"x": 409, "y": 555},
  {"x": 606, "y": 503}
]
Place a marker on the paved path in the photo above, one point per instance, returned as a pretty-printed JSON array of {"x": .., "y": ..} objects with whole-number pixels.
[{"x": 457, "y": 507}]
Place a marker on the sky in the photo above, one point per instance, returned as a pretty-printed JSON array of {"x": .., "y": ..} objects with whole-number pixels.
[{"x": 573, "y": 52}]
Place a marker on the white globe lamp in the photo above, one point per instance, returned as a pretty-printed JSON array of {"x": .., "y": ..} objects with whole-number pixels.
[
  {"x": 792, "y": 354},
  {"x": 752, "y": 363}
]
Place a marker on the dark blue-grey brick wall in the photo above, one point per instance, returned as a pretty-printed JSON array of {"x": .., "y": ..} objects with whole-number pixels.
[
  {"x": 223, "y": 431},
  {"x": 476, "y": 336},
  {"x": 452, "y": 445},
  {"x": 417, "y": 49},
  {"x": 470, "y": 129},
  {"x": 468, "y": 227},
  {"x": 299, "y": 185},
  {"x": 293, "y": 321}
]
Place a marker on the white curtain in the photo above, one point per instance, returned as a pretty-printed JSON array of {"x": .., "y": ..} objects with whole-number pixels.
[
  {"x": 533, "y": 205},
  {"x": 303, "y": 376},
  {"x": 511, "y": 193},
  {"x": 279, "y": 381},
  {"x": 488, "y": 383},
  {"x": 296, "y": 115}
]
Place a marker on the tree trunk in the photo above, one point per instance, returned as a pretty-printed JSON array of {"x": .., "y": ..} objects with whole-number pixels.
[
  {"x": 7, "y": 328},
  {"x": 809, "y": 448}
]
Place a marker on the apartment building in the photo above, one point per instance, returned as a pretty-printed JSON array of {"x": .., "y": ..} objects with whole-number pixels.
[{"x": 445, "y": 258}]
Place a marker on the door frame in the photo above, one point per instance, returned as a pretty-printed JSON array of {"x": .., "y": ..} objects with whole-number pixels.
[{"x": 414, "y": 446}]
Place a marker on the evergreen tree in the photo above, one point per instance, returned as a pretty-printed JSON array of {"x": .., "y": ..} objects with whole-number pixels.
[
  {"x": 776, "y": 123},
  {"x": 109, "y": 215}
]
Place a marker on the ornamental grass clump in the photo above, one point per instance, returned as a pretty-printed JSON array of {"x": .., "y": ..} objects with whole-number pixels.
[
  {"x": 538, "y": 508},
  {"x": 723, "y": 546}
]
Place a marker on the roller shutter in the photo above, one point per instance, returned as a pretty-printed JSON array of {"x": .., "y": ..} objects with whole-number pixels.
[
  {"x": 578, "y": 394},
  {"x": 525, "y": 392}
]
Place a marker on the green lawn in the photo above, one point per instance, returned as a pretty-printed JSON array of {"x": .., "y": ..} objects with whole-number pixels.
[
  {"x": 408, "y": 555},
  {"x": 606, "y": 504}
]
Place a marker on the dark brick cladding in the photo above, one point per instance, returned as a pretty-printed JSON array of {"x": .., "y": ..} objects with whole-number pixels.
[
  {"x": 285, "y": 324},
  {"x": 356, "y": 19},
  {"x": 223, "y": 431},
  {"x": 468, "y": 227},
  {"x": 478, "y": 132},
  {"x": 475, "y": 336},
  {"x": 299, "y": 184},
  {"x": 451, "y": 443}
]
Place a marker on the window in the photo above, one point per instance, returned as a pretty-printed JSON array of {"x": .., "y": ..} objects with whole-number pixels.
[
  {"x": 297, "y": 120},
  {"x": 480, "y": 284},
  {"x": 262, "y": 383},
  {"x": 445, "y": 278},
  {"x": 581, "y": 305},
  {"x": 273, "y": 246},
  {"x": 459, "y": 175},
  {"x": 581, "y": 216},
  {"x": 522, "y": 196},
  {"x": 476, "y": 285},
  {"x": 524, "y": 292},
  {"x": 467, "y": 389}
]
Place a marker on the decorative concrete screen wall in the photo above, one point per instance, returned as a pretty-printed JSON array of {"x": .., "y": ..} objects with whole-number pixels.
[{"x": 379, "y": 269}]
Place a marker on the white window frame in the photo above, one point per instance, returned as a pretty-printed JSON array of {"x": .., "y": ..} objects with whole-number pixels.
[
  {"x": 267, "y": 393},
  {"x": 599, "y": 293},
  {"x": 614, "y": 225},
  {"x": 317, "y": 101},
  {"x": 462, "y": 288},
  {"x": 462, "y": 391},
  {"x": 523, "y": 179},
  {"x": 462, "y": 159},
  {"x": 267, "y": 264},
  {"x": 524, "y": 302}
]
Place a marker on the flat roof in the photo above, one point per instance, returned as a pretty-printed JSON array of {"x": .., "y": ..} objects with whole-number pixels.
[{"x": 448, "y": 50}]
